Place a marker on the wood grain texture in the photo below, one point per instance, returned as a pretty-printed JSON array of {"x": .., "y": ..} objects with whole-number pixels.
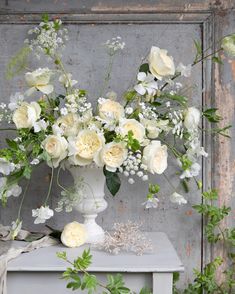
[{"x": 142, "y": 23}]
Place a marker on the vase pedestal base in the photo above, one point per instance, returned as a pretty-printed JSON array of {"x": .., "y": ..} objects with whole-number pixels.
[{"x": 95, "y": 234}]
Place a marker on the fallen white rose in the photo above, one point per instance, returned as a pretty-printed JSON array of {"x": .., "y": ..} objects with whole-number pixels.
[{"x": 74, "y": 235}]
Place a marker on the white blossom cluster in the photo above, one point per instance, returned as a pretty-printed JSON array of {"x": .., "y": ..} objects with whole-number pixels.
[
  {"x": 148, "y": 112},
  {"x": 176, "y": 118},
  {"x": 50, "y": 38},
  {"x": 114, "y": 45},
  {"x": 133, "y": 166}
]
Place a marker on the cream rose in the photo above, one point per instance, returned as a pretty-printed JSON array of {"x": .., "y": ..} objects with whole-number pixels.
[
  {"x": 84, "y": 147},
  {"x": 73, "y": 235},
  {"x": 26, "y": 115},
  {"x": 110, "y": 110},
  {"x": 112, "y": 156},
  {"x": 160, "y": 64},
  {"x": 192, "y": 118},
  {"x": 69, "y": 124},
  {"x": 56, "y": 147},
  {"x": 155, "y": 157},
  {"x": 133, "y": 125},
  {"x": 39, "y": 80}
]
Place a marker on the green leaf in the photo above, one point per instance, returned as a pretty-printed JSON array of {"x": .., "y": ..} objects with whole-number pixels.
[
  {"x": 129, "y": 95},
  {"x": 175, "y": 97},
  {"x": 62, "y": 255},
  {"x": 211, "y": 115},
  {"x": 12, "y": 144},
  {"x": 45, "y": 17},
  {"x": 113, "y": 181},
  {"x": 145, "y": 290},
  {"x": 185, "y": 185},
  {"x": 210, "y": 195},
  {"x": 82, "y": 263},
  {"x": 144, "y": 68},
  {"x": 217, "y": 59}
]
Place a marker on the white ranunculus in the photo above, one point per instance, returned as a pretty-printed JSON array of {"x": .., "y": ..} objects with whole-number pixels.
[
  {"x": 6, "y": 167},
  {"x": 66, "y": 80},
  {"x": 73, "y": 235},
  {"x": 192, "y": 118},
  {"x": 155, "y": 157},
  {"x": 133, "y": 125},
  {"x": 160, "y": 64},
  {"x": 85, "y": 146},
  {"x": 112, "y": 156},
  {"x": 185, "y": 70},
  {"x": 152, "y": 128},
  {"x": 177, "y": 198},
  {"x": 39, "y": 80},
  {"x": 110, "y": 110},
  {"x": 146, "y": 84},
  {"x": 56, "y": 147},
  {"x": 26, "y": 115},
  {"x": 69, "y": 124},
  {"x": 192, "y": 172},
  {"x": 15, "y": 101},
  {"x": 42, "y": 214},
  {"x": 40, "y": 125},
  {"x": 13, "y": 190}
]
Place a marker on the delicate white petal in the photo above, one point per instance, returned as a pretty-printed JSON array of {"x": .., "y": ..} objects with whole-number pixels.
[
  {"x": 141, "y": 76},
  {"x": 47, "y": 89},
  {"x": 140, "y": 89}
]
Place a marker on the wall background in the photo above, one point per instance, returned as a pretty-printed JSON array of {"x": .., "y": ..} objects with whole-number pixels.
[{"x": 168, "y": 24}]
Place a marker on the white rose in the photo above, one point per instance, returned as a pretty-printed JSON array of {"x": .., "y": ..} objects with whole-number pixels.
[
  {"x": 192, "y": 118},
  {"x": 26, "y": 115},
  {"x": 69, "y": 124},
  {"x": 133, "y": 125},
  {"x": 110, "y": 110},
  {"x": 56, "y": 147},
  {"x": 112, "y": 156},
  {"x": 73, "y": 235},
  {"x": 155, "y": 157},
  {"x": 85, "y": 146},
  {"x": 39, "y": 80},
  {"x": 160, "y": 64}
]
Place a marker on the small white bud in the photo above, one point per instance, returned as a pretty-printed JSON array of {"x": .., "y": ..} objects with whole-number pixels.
[{"x": 131, "y": 181}]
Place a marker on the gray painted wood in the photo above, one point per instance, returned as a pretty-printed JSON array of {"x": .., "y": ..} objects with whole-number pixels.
[
  {"x": 175, "y": 31},
  {"x": 153, "y": 269}
]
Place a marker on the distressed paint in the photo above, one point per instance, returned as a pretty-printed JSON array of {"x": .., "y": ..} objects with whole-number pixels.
[{"x": 212, "y": 16}]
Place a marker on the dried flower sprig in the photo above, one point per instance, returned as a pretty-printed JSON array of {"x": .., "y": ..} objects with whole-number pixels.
[{"x": 126, "y": 237}]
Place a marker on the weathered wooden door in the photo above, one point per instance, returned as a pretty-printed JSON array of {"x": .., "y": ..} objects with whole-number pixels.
[{"x": 168, "y": 24}]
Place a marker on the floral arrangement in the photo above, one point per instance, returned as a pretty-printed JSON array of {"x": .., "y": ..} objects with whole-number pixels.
[{"x": 134, "y": 137}]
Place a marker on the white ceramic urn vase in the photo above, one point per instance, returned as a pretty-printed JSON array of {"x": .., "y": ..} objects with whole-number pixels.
[{"x": 92, "y": 202}]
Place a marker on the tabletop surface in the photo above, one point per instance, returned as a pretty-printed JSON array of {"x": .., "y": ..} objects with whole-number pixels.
[{"x": 163, "y": 258}]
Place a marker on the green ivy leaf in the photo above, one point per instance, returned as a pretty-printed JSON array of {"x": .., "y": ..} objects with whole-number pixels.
[{"x": 113, "y": 181}]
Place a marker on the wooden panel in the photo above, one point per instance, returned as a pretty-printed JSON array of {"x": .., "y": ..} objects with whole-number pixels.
[{"x": 195, "y": 19}]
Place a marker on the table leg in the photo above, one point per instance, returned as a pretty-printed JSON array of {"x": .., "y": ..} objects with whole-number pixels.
[{"x": 162, "y": 283}]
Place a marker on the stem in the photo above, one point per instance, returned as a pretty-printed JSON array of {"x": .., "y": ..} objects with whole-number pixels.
[
  {"x": 22, "y": 200},
  {"x": 57, "y": 180},
  {"x": 194, "y": 63},
  {"x": 169, "y": 182},
  {"x": 50, "y": 185},
  {"x": 10, "y": 129},
  {"x": 107, "y": 76}
]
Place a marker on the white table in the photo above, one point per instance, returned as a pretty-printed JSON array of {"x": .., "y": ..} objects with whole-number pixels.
[{"x": 39, "y": 271}]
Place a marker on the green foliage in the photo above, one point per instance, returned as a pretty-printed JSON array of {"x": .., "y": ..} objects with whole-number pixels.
[
  {"x": 211, "y": 115},
  {"x": 79, "y": 278},
  {"x": 180, "y": 99},
  {"x": 198, "y": 47},
  {"x": 144, "y": 68},
  {"x": 132, "y": 143},
  {"x": 17, "y": 63},
  {"x": 113, "y": 181},
  {"x": 130, "y": 95},
  {"x": 217, "y": 59},
  {"x": 206, "y": 281}
]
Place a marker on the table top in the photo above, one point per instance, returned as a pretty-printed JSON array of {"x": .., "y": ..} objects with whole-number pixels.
[{"x": 163, "y": 258}]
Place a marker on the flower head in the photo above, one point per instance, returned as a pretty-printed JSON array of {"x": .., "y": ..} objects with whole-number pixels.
[
  {"x": 39, "y": 80},
  {"x": 146, "y": 84},
  {"x": 42, "y": 214}
]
